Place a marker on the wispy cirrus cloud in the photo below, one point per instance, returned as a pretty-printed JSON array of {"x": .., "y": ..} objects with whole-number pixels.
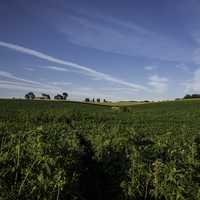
[
  {"x": 193, "y": 85},
  {"x": 15, "y": 85},
  {"x": 183, "y": 67},
  {"x": 196, "y": 52},
  {"x": 160, "y": 84},
  {"x": 126, "y": 38},
  {"x": 60, "y": 83},
  {"x": 29, "y": 69},
  {"x": 111, "y": 33},
  {"x": 102, "y": 31},
  {"x": 150, "y": 68},
  {"x": 55, "y": 68},
  {"x": 9, "y": 75},
  {"x": 196, "y": 56},
  {"x": 86, "y": 70},
  {"x": 10, "y": 81}
]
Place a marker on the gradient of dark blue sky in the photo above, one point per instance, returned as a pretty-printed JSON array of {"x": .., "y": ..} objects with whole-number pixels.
[{"x": 135, "y": 49}]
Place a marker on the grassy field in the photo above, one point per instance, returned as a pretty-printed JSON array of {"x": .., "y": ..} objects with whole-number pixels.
[{"x": 68, "y": 150}]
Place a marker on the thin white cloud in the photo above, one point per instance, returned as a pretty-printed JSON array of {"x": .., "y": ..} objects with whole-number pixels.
[
  {"x": 196, "y": 53},
  {"x": 160, "y": 84},
  {"x": 12, "y": 85},
  {"x": 193, "y": 85},
  {"x": 61, "y": 83},
  {"x": 11, "y": 76},
  {"x": 29, "y": 69},
  {"x": 157, "y": 78},
  {"x": 183, "y": 67},
  {"x": 89, "y": 71},
  {"x": 196, "y": 56},
  {"x": 116, "y": 36},
  {"x": 109, "y": 20},
  {"x": 62, "y": 69},
  {"x": 55, "y": 68},
  {"x": 18, "y": 82},
  {"x": 149, "y": 68},
  {"x": 196, "y": 36}
]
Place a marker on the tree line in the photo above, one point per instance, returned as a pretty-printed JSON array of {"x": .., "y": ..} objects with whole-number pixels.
[
  {"x": 63, "y": 96},
  {"x": 98, "y": 100},
  {"x": 191, "y": 96},
  {"x": 32, "y": 96}
]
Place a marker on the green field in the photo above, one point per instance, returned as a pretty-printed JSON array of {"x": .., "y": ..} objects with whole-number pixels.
[{"x": 77, "y": 151}]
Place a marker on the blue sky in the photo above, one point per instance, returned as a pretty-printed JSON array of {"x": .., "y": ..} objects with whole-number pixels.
[{"x": 118, "y": 50}]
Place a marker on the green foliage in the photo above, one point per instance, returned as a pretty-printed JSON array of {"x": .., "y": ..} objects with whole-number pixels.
[{"x": 65, "y": 150}]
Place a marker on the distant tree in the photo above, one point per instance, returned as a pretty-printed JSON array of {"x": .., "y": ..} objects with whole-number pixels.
[
  {"x": 65, "y": 95},
  {"x": 87, "y": 100},
  {"x": 27, "y": 96},
  {"x": 187, "y": 96},
  {"x": 46, "y": 96},
  {"x": 30, "y": 95},
  {"x": 98, "y": 100},
  {"x": 58, "y": 97},
  {"x": 93, "y": 100},
  {"x": 195, "y": 96},
  {"x": 104, "y": 101}
]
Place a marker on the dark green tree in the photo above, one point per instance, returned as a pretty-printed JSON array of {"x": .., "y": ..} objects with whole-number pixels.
[
  {"x": 87, "y": 100},
  {"x": 27, "y": 96},
  {"x": 46, "y": 96},
  {"x": 58, "y": 97},
  {"x": 30, "y": 95},
  {"x": 187, "y": 96},
  {"x": 65, "y": 95}
]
